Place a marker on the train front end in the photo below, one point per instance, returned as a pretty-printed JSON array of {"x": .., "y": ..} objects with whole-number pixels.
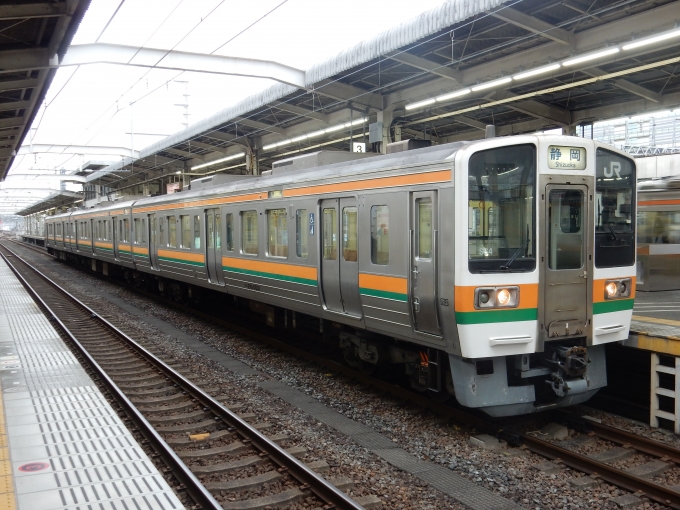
[{"x": 545, "y": 270}]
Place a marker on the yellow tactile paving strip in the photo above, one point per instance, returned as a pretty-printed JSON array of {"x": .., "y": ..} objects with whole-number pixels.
[
  {"x": 7, "y": 499},
  {"x": 666, "y": 322}
]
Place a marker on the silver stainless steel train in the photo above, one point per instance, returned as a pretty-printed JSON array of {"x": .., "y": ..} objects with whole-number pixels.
[
  {"x": 493, "y": 270},
  {"x": 658, "y": 237}
]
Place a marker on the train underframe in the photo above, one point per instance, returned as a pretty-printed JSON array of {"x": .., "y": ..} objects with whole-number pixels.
[{"x": 566, "y": 373}]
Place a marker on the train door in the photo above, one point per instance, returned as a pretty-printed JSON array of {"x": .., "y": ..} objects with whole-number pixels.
[
  {"x": 565, "y": 291},
  {"x": 114, "y": 237},
  {"x": 213, "y": 246},
  {"x": 424, "y": 262},
  {"x": 339, "y": 256},
  {"x": 153, "y": 241}
]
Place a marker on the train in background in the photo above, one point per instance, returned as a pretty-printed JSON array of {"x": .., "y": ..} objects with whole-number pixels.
[
  {"x": 494, "y": 270},
  {"x": 658, "y": 223}
]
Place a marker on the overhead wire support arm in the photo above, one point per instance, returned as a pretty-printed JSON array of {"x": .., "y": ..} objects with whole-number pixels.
[{"x": 103, "y": 53}]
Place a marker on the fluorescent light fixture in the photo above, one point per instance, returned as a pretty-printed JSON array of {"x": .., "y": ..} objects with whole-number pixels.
[
  {"x": 651, "y": 40},
  {"x": 315, "y": 134},
  {"x": 419, "y": 104},
  {"x": 179, "y": 171},
  {"x": 490, "y": 84},
  {"x": 221, "y": 160},
  {"x": 334, "y": 128},
  {"x": 451, "y": 95},
  {"x": 590, "y": 56},
  {"x": 534, "y": 72}
]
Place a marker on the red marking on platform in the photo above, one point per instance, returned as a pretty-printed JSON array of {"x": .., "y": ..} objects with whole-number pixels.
[{"x": 32, "y": 467}]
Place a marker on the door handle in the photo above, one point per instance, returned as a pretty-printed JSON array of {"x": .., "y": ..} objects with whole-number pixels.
[
  {"x": 416, "y": 304},
  {"x": 415, "y": 273},
  {"x": 584, "y": 275}
]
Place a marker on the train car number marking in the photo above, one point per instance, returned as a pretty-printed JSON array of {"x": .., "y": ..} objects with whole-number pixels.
[
  {"x": 252, "y": 286},
  {"x": 444, "y": 302}
]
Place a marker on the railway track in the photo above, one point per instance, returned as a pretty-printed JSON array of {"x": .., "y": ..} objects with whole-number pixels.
[
  {"x": 194, "y": 434},
  {"x": 596, "y": 467}
]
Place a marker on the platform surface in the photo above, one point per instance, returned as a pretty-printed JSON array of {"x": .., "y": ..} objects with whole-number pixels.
[
  {"x": 656, "y": 322},
  {"x": 62, "y": 446}
]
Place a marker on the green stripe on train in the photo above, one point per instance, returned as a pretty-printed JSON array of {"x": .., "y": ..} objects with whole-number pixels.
[
  {"x": 396, "y": 296},
  {"x": 491, "y": 316},
  {"x": 292, "y": 279},
  {"x": 616, "y": 305},
  {"x": 179, "y": 261}
]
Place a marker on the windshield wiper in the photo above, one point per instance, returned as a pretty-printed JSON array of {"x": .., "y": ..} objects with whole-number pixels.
[
  {"x": 516, "y": 254},
  {"x": 611, "y": 229}
]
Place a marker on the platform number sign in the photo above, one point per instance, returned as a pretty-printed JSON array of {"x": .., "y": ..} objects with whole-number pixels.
[{"x": 311, "y": 224}]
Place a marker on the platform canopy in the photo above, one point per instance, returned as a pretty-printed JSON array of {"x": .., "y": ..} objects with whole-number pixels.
[
  {"x": 33, "y": 35},
  {"x": 523, "y": 66},
  {"x": 444, "y": 76}
]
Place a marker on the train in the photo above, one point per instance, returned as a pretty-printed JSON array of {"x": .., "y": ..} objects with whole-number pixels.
[
  {"x": 492, "y": 271},
  {"x": 658, "y": 238}
]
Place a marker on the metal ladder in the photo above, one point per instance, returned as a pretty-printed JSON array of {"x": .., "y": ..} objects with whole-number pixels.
[{"x": 657, "y": 391}]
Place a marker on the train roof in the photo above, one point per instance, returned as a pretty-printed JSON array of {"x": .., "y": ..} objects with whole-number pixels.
[{"x": 381, "y": 163}]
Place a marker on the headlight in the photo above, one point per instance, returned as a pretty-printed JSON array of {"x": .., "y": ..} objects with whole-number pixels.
[
  {"x": 618, "y": 289},
  {"x": 496, "y": 297},
  {"x": 612, "y": 289},
  {"x": 503, "y": 297}
]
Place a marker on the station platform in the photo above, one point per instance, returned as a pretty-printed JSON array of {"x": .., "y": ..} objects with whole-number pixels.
[
  {"x": 656, "y": 322},
  {"x": 62, "y": 446}
]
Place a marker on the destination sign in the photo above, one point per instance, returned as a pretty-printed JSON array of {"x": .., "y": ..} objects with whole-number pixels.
[{"x": 566, "y": 158}]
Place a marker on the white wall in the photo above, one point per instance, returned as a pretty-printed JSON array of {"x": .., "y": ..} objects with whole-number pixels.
[{"x": 658, "y": 166}]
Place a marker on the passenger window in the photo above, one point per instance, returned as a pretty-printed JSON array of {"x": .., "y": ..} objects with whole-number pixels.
[
  {"x": 172, "y": 232},
  {"x": 301, "y": 232},
  {"x": 249, "y": 230},
  {"x": 197, "y": 232},
  {"x": 127, "y": 230},
  {"x": 330, "y": 236},
  {"x": 424, "y": 211},
  {"x": 380, "y": 235},
  {"x": 143, "y": 231},
  {"x": 218, "y": 231},
  {"x": 230, "y": 232},
  {"x": 349, "y": 234},
  {"x": 277, "y": 228},
  {"x": 185, "y": 220},
  {"x": 210, "y": 237}
]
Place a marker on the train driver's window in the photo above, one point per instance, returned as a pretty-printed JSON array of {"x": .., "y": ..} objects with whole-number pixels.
[
  {"x": 230, "y": 232},
  {"x": 380, "y": 235},
  {"x": 249, "y": 242},
  {"x": 301, "y": 232},
  {"x": 197, "y": 232},
  {"x": 277, "y": 233},
  {"x": 172, "y": 232},
  {"x": 349, "y": 234},
  {"x": 185, "y": 220}
]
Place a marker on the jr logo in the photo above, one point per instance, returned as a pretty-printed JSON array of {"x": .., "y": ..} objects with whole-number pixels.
[{"x": 614, "y": 168}]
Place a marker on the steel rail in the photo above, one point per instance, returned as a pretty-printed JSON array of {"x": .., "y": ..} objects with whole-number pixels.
[
  {"x": 622, "y": 437},
  {"x": 192, "y": 485},
  {"x": 313, "y": 481},
  {"x": 641, "y": 486}
]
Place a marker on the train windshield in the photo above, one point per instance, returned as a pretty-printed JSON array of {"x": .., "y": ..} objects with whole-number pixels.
[
  {"x": 614, "y": 210},
  {"x": 502, "y": 210}
]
